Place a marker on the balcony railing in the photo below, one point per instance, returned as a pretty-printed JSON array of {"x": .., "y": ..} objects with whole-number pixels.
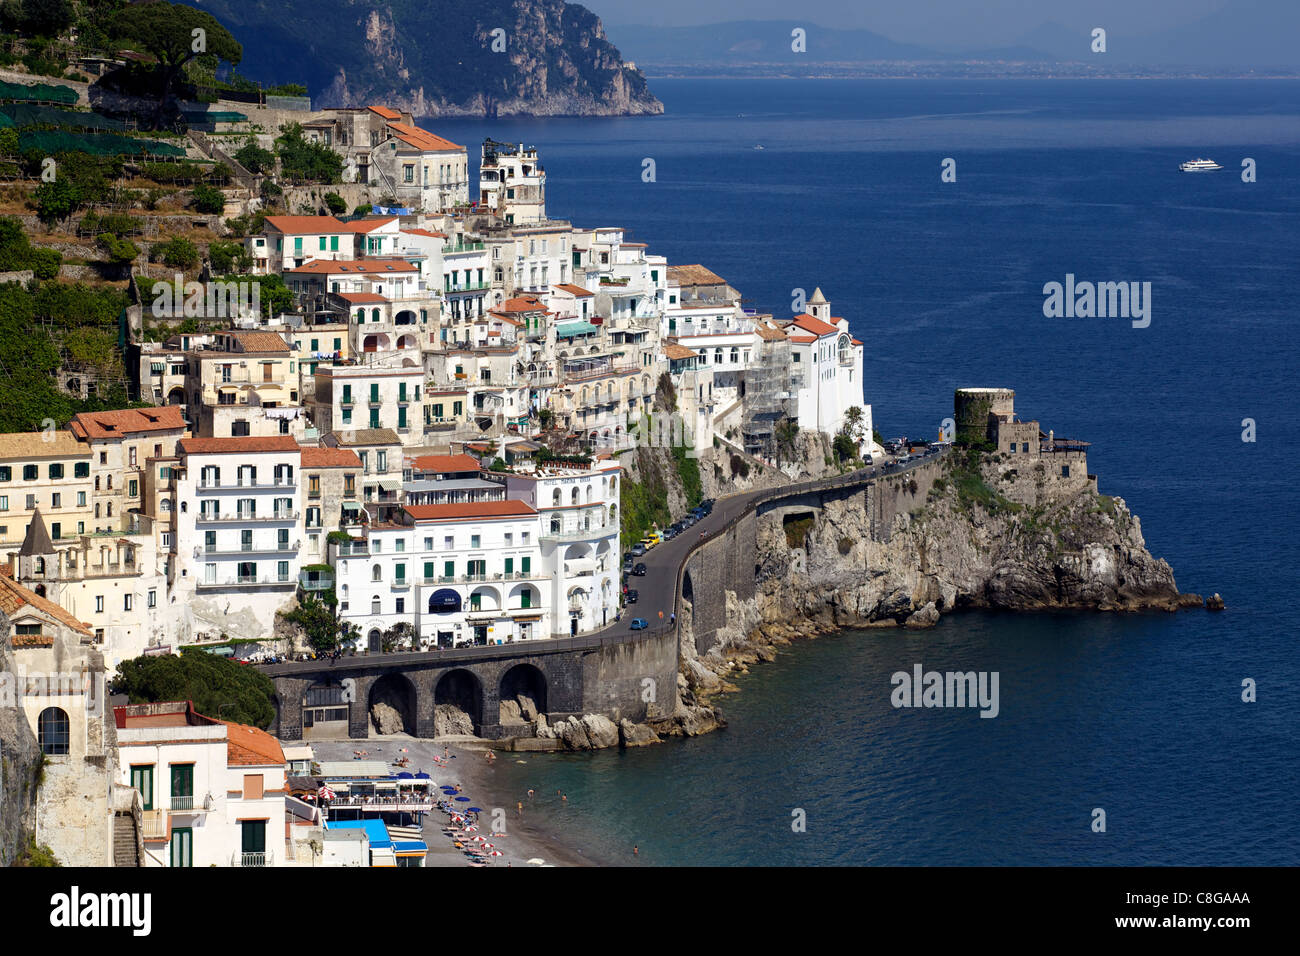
[
  {"x": 154, "y": 824},
  {"x": 254, "y": 859},
  {"x": 182, "y": 802},
  {"x": 210, "y": 485},
  {"x": 207, "y": 517},
  {"x": 247, "y": 582}
]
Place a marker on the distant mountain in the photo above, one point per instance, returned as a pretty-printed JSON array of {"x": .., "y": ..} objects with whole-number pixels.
[
  {"x": 759, "y": 41},
  {"x": 435, "y": 57},
  {"x": 1258, "y": 34}
]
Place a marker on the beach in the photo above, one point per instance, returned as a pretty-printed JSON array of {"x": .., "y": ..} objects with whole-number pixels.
[{"x": 521, "y": 827}]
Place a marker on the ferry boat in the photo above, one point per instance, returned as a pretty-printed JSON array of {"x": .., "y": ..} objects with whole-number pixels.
[{"x": 1199, "y": 166}]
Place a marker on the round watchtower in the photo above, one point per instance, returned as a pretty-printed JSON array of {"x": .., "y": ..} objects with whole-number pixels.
[{"x": 972, "y": 406}]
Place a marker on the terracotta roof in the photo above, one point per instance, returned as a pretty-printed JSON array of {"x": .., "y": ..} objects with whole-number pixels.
[
  {"x": 128, "y": 421},
  {"x": 307, "y": 225},
  {"x": 521, "y": 303},
  {"x": 249, "y": 747},
  {"x": 385, "y": 112},
  {"x": 13, "y": 597},
  {"x": 675, "y": 351},
  {"x": 422, "y": 139},
  {"x": 55, "y": 444},
  {"x": 353, "y": 267},
  {"x": 446, "y": 463},
  {"x": 163, "y": 713},
  {"x": 472, "y": 509},
  {"x": 329, "y": 458},
  {"x": 370, "y": 223},
  {"x": 424, "y": 232},
  {"x": 357, "y": 297},
  {"x": 814, "y": 325},
  {"x": 857, "y": 341},
  {"x": 803, "y": 339},
  {"x": 573, "y": 289},
  {"x": 768, "y": 334},
  {"x": 243, "y": 444},
  {"x": 255, "y": 341},
  {"x": 694, "y": 274}
]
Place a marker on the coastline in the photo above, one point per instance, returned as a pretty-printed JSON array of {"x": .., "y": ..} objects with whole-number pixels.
[{"x": 534, "y": 835}]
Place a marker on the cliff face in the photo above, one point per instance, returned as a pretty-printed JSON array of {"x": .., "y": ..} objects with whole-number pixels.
[
  {"x": 19, "y": 759},
  {"x": 964, "y": 533},
  {"x": 436, "y": 57}
]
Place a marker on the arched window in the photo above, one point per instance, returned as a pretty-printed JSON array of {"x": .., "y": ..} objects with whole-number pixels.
[
  {"x": 361, "y": 316},
  {"x": 374, "y": 315},
  {"x": 374, "y": 604},
  {"x": 52, "y": 731},
  {"x": 40, "y": 566},
  {"x": 556, "y": 498},
  {"x": 573, "y": 497},
  {"x": 613, "y": 485},
  {"x": 555, "y": 525},
  {"x": 165, "y": 505},
  {"x": 589, "y": 494},
  {"x": 376, "y": 573}
]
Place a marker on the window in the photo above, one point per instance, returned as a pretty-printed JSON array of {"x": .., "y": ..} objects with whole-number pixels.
[
  {"x": 282, "y": 571},
  {"x": 81, "y": 499},
  {"x": 153, "y": 597},
  {"x": 29, "y": 472},
  {"x": 253, "y": 787},
  {"x": 182, "y": 846},
  {"x": 7, "y": 473},
  {"x": 475, "y": 541},
  {"x": 56, "y": 500},
  {"x": 182, "y": 791},
  {"x": 133, "y": 488},
  {"x": 142, "y": 780},
  {"x": 525, "y": 565},
  {"x": 4, "y": 502},
  {"x": 56, "y": 470},
  {"x": 52, "y": 731},
  {"x": 99, "y": 604},
  {"x": 127, "y": 601}
]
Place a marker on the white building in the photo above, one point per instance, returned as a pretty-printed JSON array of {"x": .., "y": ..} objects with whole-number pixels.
[
  {"x": 512, "y": 182},
  {"x": 213, "y": 791},
  {"x": 238, "y": 531},
  {"x": 830, "y": 361}
]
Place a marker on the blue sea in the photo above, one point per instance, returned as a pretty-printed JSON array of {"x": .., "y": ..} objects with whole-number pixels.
[{"x": 1140, "y": 716}]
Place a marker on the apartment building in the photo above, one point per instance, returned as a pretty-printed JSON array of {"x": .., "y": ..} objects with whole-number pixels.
[{"x": 47, "y": 472}]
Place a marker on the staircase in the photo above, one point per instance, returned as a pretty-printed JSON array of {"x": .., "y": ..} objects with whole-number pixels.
[{"x": 126, "y": 845}]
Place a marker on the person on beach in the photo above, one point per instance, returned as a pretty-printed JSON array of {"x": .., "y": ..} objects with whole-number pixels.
[
  {"x": 530, "y": 794},
  {"x": 636, "y": 850}
]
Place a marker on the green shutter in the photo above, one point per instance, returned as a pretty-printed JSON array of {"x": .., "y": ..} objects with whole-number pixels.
[
  {"x": 525, "y": 564},
  {"x": 449, "y": 569},
  {"x": 510, "y": 565},
  {"x": 428, "y": 570}
]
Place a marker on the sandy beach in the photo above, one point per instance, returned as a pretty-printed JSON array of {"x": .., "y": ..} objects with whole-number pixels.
[{"x": 514, "y": 824}]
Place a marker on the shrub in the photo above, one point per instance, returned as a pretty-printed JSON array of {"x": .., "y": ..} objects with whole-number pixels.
[
  {"x": 178, "y": 253},
  {"x": 46, "y": 263},
  {"x": 119, "y": 251},
  {"x": 57, "y": 200},
  {"x": 335, "y": 203},
  {"x": 363, "y": 210},
  {"x": 256, "y": 159}
]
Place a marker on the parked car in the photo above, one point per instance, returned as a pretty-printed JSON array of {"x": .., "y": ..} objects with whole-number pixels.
[
  {"x": 632, "y": 596},
  {"x": 627, "y": 563},
  {"x": 638, "y": 549},
  {"x": 639, "y": 569},
  {"x": 639, "y": 624}
]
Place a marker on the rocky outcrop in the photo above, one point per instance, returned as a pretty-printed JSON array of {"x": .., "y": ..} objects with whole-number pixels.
[
  {"x": 636, "y": 735},
  {"x": 450, "y": 720},
  {"x": 964, "y": 545},
  {"x": 386, "y": 719},
  {"x": 597, "y": 732},
  {"x": 440, "y": 57},
  {"x": 20, "y": 759}
]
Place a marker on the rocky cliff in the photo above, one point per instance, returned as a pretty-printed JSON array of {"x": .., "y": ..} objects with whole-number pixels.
[
  {"x": 969, "y": 532},
  {"x": 20, "y": 760},
  {"x": 439, "y": 57}
]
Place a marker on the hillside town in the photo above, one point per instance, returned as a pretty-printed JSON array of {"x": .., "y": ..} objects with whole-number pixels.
[{"x": 429, "y": 440}]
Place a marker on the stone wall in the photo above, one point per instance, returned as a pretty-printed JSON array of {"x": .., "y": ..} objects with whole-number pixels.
[{"x": 19, "y": 757}]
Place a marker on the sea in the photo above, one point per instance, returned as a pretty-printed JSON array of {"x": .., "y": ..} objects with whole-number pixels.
[{"x": 1147, "y": 739}]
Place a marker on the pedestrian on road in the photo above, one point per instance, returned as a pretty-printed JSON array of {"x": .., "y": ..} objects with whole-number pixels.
[{"x": 672, "y": 619}]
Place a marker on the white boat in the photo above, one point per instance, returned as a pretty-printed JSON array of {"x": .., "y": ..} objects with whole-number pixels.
[{"x": 1199, "y": 166}]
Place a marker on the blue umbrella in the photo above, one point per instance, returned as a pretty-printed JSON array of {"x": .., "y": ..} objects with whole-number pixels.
[
  {"x": 421, "y": 776},
  {"x": 463, "y": 799},
  {"x": 475, "y": 809}
]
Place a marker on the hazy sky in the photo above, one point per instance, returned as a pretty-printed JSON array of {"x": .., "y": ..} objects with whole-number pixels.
[{"x": 930, "y": 22}]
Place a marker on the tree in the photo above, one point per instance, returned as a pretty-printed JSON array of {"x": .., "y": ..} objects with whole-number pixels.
[
  {"x": 47, "y": 18},
  {"x": 335, "y": 204},
  {"x": 219, "y": 687},
  {"x": 853, "y": 423},
  {"x": 120, "y": 252},
  {"x": 304, "y": 161},
  {"x": 318, "y": 620},
  {"x": 844, "y": 447},
  {"x": 57, "y": 200},
  {"x": 167, "y": 31},
  {"x": 209, "y": 199},
  {"x": 255, "y": 159},
  {"x": 787, "y": 433},
  {"x": 179, "y": 253}
]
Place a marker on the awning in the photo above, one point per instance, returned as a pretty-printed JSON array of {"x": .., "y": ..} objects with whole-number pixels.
[
  {"x": 389, "y": 484},
  {"x": 529, "y": 615},
  {"x": 567, "y": 330}
]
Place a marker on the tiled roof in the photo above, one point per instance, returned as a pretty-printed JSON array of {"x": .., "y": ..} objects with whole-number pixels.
[
  {"x": 424, "y": 232},
  {"x": 768, "y": 334},
  {"x": 694, "y": 274},
  {"x": 521, "y": 303},
  {"x": 814, "y": 325},
  {"x": 803, "y": 339},
  {"x": 385, "y": 112},
  {"x": 370, "y": 223},
  {"x": 675, "y": 351},
  {"x": 244, "y": 444},
  {"x": 446, "y": 463},
  {"x": 367, "y": 436},
  {"x": 421, "y": 139},
  {"x": 249, "y": 747},
  {"x": 359, "y": 297},
  {"x": 13, "y": 597},
  {"x": 353, "y": 267},
  {"x": 574, "y": 289},
  {"x": 471, "y": 509},
  {"x": 256, "y": 341},
  {"x": 307, "y": 225},
  {"x": 329, "y": 458},
  {"x": 54, "y": 444},
  {"x": 127, "y": 421}
]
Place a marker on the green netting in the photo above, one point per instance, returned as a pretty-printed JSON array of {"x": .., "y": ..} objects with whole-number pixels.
[
  {"x": 30, "y": 114},
  {"x": 5, "y": 121},
  {"x": 102, "y": 144},
  {"x": 40, "y": 92}
]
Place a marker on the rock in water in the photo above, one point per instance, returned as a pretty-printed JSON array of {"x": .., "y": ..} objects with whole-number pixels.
[
  {"x": 450, "y": 720},
  {"x": 386, "y": 719},
  {"x": 636, "y": 735},
  {"x": 927, "y": 616},
  {"x": 601, "y": 731},
  {"x": 1214, "y": 602}
]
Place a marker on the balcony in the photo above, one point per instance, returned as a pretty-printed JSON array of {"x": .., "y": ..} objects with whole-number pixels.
[
  {"x": 183, "y": 804},
  {"x": 250, "y": 549},
  {"x": 154, "y": 824},
  {"x": 253, "y": 859},
  {"x": 467, "y": 287},
  {"x": 218, "y": 485},
  {"x": 207, "y": 517},
  {"x": 315, "y": 580},
  {"x": 246, "y": 582},
  {"x": 462, "y": 247}
]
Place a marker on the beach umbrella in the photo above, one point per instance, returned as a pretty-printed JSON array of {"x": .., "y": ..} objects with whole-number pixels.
[
  {"x": 471, "y": 828},
  {"x": 462, "y": 799},
  {"x": 495, "y": 853},
  {"x": 325, "y": 793},
  {"x": 475, "y": 809}
]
